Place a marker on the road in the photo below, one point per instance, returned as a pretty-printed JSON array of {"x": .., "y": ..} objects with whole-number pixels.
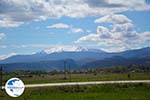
[{"x": 84, "y": 83}]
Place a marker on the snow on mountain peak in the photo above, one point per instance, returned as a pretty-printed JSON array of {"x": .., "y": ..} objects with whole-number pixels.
[{"x": 67, "y": 49}]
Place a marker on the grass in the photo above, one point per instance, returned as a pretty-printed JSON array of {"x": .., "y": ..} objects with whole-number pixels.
[
  {"x": 88, "y": 92},
  {"x": 82, "y": 78}
]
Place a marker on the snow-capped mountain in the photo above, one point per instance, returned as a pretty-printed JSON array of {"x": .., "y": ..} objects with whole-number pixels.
[
  {"x": 75, "y": 53},
  {"x": 68, "y": 49},
  {"x": 78, "y": 58},
  {"x": 57, "y": 53}
]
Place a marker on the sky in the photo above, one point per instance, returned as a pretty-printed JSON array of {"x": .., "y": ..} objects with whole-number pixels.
[{"x": 29, "y": 26}]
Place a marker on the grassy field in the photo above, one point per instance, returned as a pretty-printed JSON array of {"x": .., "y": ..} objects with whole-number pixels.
[
  {"x": 81, "y": 77},
  {"x": 88, "y": 92}
]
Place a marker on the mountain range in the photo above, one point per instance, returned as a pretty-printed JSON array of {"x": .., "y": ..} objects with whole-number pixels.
[{"x": 76, "y": 58}]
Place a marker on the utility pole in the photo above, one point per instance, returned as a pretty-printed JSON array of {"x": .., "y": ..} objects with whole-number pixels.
[
  {"x": 70, "y": 72},
  {"x": 1, "y": 73},
  {"x": 65, "y": 72}
]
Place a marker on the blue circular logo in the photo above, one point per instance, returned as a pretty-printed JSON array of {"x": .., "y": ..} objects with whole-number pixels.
[{"x": 14, "y": 87}]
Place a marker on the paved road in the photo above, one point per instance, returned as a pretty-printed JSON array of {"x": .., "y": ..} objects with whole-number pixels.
[{"x": 84, "y": 83}]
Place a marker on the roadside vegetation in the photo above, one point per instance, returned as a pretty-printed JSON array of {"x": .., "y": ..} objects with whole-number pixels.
[
  {"x": 96, "y": 74},
  {"x": 133, "y": 91}
]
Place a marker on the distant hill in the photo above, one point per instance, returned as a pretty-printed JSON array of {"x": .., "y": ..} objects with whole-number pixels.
[
  {"x": 135, "y": 53},
  {"x": 77, "y": 58},
  {"x": 118, "y": 61},
  {"x": 52, "y": 54},
  {"x": 42, "y": 65}
]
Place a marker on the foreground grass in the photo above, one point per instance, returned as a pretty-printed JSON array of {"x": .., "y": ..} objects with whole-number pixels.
[
  {"x": 88, "y": 92},
  {"x": 82, "y": 77}
]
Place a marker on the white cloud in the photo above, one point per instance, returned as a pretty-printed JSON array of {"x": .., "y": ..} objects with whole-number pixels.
[
  {"x": 145, "y": 36},
  {"x": 132, "y": 4},
  {"x": 76, "y": 30},
  {"x": 66, "y": 26},
  {"x": 16, "y": 12},
  {"x": 9, "y": 23},
  {"x": 114, "y": 49},
  {"x": 59, "y": 25},
  {"x": 2, "y": 57},
  {"x": 90, "y": 37},
  {"x": 121, "y": 36},
  {"x": 123, "y": 27},
  {"x": 103, "y": 32},
  {"x": 60, "y": 48},
  {"x": 30, "y": 46},
  {"x": 114, "y": 19},
  {"x": 125, "y": 30},
  {"x": 2, "y": 36}
]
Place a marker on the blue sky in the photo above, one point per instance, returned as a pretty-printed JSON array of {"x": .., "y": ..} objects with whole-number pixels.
[{"x": 111, "y": 25}]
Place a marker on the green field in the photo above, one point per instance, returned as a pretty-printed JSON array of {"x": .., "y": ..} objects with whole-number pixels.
[
  {"x": 88, "y": 92},
  {"x": 81, "y": 77}
]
